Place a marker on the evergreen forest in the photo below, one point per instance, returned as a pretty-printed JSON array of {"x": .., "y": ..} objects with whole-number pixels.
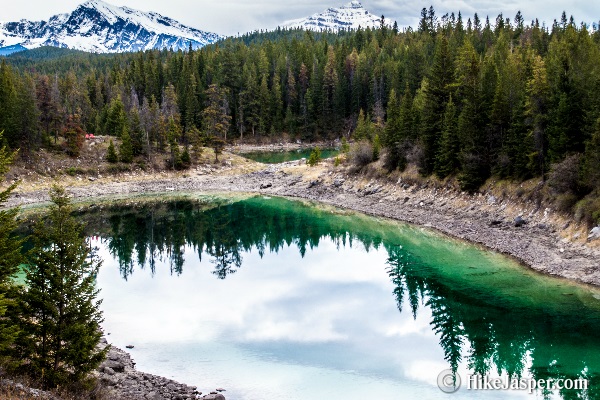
[{"x": 464, "y": 97}]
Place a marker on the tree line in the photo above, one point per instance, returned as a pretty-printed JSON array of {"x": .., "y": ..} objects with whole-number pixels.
[{"x": 471, "y": 99}]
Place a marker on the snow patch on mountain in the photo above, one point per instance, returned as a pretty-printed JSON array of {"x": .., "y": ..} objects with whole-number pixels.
[
  {"x": 100, "y": 27},
  {"x": 350, "y": 16}
]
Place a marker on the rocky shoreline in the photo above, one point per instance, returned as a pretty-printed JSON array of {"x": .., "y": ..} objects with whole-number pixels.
[
  {"x": 118, "y": 375},
  {"x": 535, "y": 240}
]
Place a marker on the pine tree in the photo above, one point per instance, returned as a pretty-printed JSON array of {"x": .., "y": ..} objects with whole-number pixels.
[
  {"x": 173, "y": 134},
  {"x": 392, "y": 125},
  {"x": 447, "y": 160},
  {"x": 536, "y": 110},
  {"x": 330, "y": 80},
  {"x": 406, "y": 123},
  {"x": 364, "y": 127},
  {"x": 60, "y": 311},
  {"x": 376, "y": 147},
  {"x": 126, "y": 148},
  {"x": 436, "y": 97},
  {"x": 10, "y": 249},
  {"x": 116, "y": 123},
  {"x": 111, "y": 155},
  {"x": 186, "y": 159},
  {"x": 264, "y": 106},
  {"x": 345, "y": 148},
  {"x": 315, "y": 157},
  {"x": 392, "y": 132},
  {"x": 27, "y": 115},
  {"x": 8, "y": 105},
  {"x": 136, "y": 133},
  {"x": 215, "y": 118},
  {"x": 277, "y": 104}
]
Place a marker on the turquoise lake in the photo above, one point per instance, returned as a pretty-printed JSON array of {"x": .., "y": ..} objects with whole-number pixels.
[
  {"x": 276, "y": 157},
  {"x": 277, "y": 299}
]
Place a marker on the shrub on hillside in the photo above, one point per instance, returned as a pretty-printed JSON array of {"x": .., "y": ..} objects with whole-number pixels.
[
  {"x": 361, "y": 154},
  {"x": 315, "y": 157},
  {"x": 564, "y": 176},
  {"x": 588, "y": 210}
]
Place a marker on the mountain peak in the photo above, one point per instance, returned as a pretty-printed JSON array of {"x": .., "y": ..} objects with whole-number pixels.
[
  {"x": 99, "y": 27},
  {"x": 353, "y": 4},
  {"x": 112, "y": 13},
  {"x": 349, "y": 16},
  {"x": 93, "y": 3}
]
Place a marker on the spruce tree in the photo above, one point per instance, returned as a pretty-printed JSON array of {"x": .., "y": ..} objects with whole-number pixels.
[
  {"x": 392, "y": 126},
  {"x": 215, "y": 118},
  {"x": 392, "y": 133},
  {"x": 136, "y": 133},
  {"x": 376, "y": 147},
  {"x": 436, "y": 97},
  {"x": 116, "y": 121},
  {"x": 10, "y": 253},
  {"x": 315, "y": 157},
  {"x": 60, "y": 311},
  {"x": 111, "y": 155},
  {"x": 173, "y": 135},
  {"x": 8, "y": 104},
  {"x": 447, "y": 160},
  {"x": 126, "y": 148}
]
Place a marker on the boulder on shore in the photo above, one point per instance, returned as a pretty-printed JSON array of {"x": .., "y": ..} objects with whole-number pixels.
[
  {"x": 213, "y": 396},
  {"x": 594, "y": 233},
  {"x": 519, "y": 221}
]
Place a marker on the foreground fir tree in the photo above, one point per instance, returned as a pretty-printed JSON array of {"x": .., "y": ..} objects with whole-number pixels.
[
  {"x": 61, "y": 316},
  {"x": 10, "y": 254}
]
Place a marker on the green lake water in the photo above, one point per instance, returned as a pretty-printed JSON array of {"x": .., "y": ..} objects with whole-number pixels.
[
  {"x": 277, "y": 299},
  {"x": 279, "y": 156}
]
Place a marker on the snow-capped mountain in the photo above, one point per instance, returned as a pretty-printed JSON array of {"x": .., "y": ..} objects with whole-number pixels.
[
  {"x": 99, "y": 27},
  {"x": 349, "y": 16}
]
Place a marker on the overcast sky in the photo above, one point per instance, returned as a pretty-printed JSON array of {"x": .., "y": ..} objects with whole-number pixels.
[{"x": 228, "y": 17}]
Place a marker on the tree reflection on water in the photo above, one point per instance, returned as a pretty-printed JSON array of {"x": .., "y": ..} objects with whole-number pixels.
[{"x": 479, "y": 328}]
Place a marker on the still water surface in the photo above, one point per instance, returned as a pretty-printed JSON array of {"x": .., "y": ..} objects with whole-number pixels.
[
  {"x": 276, "y": 157},
  {"x": 276, "y": 299}
]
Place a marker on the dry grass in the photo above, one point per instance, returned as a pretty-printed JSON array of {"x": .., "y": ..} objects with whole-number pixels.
[
  {"x": 7, "y": 393},
  {"x": 11, "y": 390},
  {"x": 45, "y": 168}
]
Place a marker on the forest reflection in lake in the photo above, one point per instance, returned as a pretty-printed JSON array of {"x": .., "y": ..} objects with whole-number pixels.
[{"x": 272, "y": 297}]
